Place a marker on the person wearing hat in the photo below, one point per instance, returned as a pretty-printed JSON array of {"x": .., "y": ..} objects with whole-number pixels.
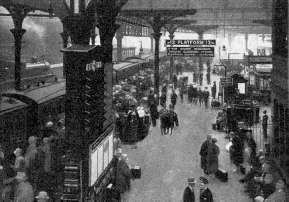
[
  {"x": 19, "y": 158},
  {"x": 123, "y": 175},
  {"x": 204, "y": 153},
  {"x": 23, "y": 190},
  {"x": 206, "y": 96},
  {"x": 153, "y": 104},
  {"x": 189, "y": 195},
  {"x": 213, "y": 158},
  {"x": 31, "y": 150},
  {"x": 115, "y": 160},
  {"x": 265, "y": 125},
  {"x": 279, "y": 195},
  {"x": 42, "y": 197},
  {"x": 133, "y": 121},
  {"x": 174, "y": 98},
  {"x": 205, "y": 193},
  {"x": 236, "y": 152}
]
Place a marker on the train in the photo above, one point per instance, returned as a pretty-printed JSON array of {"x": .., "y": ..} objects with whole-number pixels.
[
  {"x": 31, "y": 72},
  {"x": 25, "y": 113}
]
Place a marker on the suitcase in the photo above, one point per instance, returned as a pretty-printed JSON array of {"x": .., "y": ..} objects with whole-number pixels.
[
  {"x": 215, "y": 103},
  {"x": 222, "y": 175},
  {"x": 136, "y": 172}
]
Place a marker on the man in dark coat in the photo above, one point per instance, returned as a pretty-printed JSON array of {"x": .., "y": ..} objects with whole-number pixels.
[
  {"x": 174, "y": 98},
  {"x": 205, "y": 193},
  {"x": 189, "y": 195},
  {"x": 204, "y": 153},
  {"x": 236, "y": 152},
  {"x": 214, "y": 90},
  {"x": 152, "y": 102},
  {"x": 173, "y": 120},
  {"x": 206, "y": 96},
  {"x": 115, "y": 160},
  {"x": 181, "y": 92},
  {"x": 265, "y": 125},
  {"x": 200, "y": 96},
  {"x": 213, "y": 158},
  {"x": 122, "y": 183},
  {"x": 164, "y": 119},
  {"x": 175, "y": 81},
  {"x": 163, "y": 99},
  {"x": 190, "y": 93}
]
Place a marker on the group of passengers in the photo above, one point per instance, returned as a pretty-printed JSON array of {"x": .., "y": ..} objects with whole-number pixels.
[
  {"x": 132, "y": 113},
  {"x": 196, "y": 95},
  {"x": 260, "y": 177},
  {"x": 27, "y": 173}
]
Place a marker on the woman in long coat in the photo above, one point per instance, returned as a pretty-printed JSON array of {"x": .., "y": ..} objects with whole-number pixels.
[{"x": 212, "y": 157}]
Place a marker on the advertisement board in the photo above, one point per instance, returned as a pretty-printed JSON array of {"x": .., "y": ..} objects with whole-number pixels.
[
  {"x": 100, "y": 155},
  {"x": 191, "y": 51},
  {"x": 260, "y": 60}
]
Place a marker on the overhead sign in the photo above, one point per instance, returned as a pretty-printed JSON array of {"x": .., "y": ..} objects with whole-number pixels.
[
  {"x": 226, "y": 81},
  {"x": 260, "y": 59},
  {"x": 191, "y": 42},
  {"x": 191, "y": 51}
]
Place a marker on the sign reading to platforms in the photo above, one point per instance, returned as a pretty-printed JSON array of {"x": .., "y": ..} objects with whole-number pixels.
[
  {"x": 191, "y": 51},
  {"x": 226, "y": 81},
  {"x": 260, "y": 59},
  {"x": 190, "y": 42}
]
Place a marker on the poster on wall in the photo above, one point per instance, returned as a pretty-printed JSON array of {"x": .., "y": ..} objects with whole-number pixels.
[
  {"x": 100, "y": 155},
  {"x": 110, "y": 155},
  {"x": 93, "y": 166},
  {"x": 100, "y": 159},
  {"x": 106, "y": 153},
  {"x": 241, "y": 87}
]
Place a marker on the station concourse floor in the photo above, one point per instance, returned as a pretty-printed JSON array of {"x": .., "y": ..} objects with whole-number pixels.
[{"x": 167, "y": 161}]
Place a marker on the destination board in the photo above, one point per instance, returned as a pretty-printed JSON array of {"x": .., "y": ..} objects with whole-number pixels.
[
  {"x": 191, "y": 42},
  {"x": 191, "y": 51}
]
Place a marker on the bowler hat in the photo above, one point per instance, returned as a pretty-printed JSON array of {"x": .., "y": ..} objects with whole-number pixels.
[
  {"x": 204, "y": 180},
  {"x": 192, "y": 180},
  {"x": 21, "y": 176},
  {"x": 214, "y": 140}
]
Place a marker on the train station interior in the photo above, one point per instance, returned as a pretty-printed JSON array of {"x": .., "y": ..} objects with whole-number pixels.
[{"x": 115, "y": 100}]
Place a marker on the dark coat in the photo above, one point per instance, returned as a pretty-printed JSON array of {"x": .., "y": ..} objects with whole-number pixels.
[
  {"x": 204, "y": 153},
  {"x": 236, "y": 151},
  {"x": 206, "y": 196},
  {"x": 114, "y": 163},
  {"x": 174, "y": 98},
  {"x": 163, "y": 99},
  {"x": 173, "y": 119},
  {"x": 214, "y": 90},
  {"x": 153, "y": 106},
  {"x": 189, "y": 196},
  {"x": 212, "y": 158},
  {"x": 122, "y": 183}
]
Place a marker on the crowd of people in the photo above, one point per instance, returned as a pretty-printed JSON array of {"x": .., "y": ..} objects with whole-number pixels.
[
  {"x": 28, "y": 175},
  {"x": 131, "y": 107}
]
